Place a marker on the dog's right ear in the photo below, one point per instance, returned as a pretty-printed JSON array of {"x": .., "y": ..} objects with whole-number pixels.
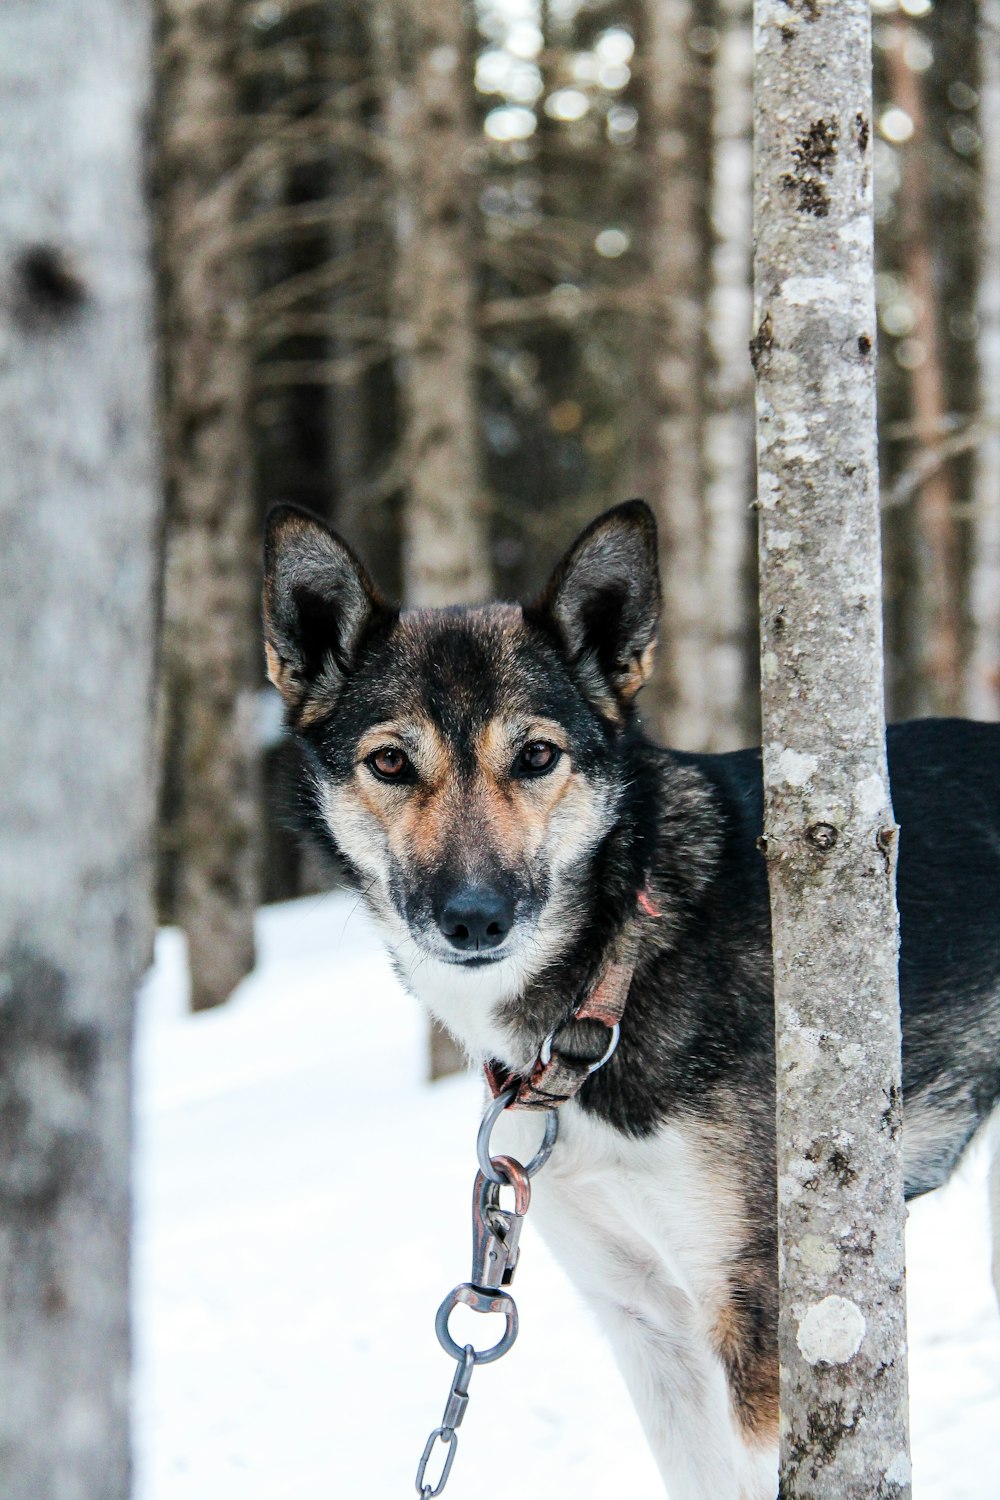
[{"x": 319, "y": 604}]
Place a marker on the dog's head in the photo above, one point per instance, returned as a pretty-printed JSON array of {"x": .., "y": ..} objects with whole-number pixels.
[{"x": 465, "y": 761}]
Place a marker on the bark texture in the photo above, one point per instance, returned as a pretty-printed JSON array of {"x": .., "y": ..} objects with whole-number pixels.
[
  {"x": 78, "y": 545},
  {"x": 982, "y": 677},
  {"x": 676, "y": 100},
  {"x": 212, "y": 572},
  {"x": 421, "y": 55},
  {"x": 830, "y": 836}
]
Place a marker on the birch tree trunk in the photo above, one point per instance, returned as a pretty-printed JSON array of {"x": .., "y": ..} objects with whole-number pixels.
[
  {"x": 210, "y": 632},
  {"x": 426, "y": 82},
  {"x": 676, "y": 101},
  {"x": 733, "y": 702},
  {"x": 830, "y": 838},
  {"x": 77, "y": 586},
  {"x": 982, "y": 677}
]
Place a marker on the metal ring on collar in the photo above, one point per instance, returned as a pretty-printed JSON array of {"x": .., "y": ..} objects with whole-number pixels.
[
  {"x": 496, "y": 1109},
  {"x": 613, "y": 1041},
  {"x": 545, "y": 1055},
  {"x": 480, "y": 1302}
]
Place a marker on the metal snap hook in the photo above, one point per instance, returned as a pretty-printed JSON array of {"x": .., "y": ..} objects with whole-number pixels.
[{"x": 496, "y": 1231}]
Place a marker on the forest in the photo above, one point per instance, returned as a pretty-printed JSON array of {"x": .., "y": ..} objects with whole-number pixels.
[
  {"x": 455, "y": 277},
  {"x": 565, "y": 188}
]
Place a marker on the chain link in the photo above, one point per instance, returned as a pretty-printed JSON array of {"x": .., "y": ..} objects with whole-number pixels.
[
  {"x": 496, "y": 1234},
  {"x": 454, "y": 1411}
]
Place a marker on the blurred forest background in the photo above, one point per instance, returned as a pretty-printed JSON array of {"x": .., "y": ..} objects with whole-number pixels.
[{"x": 456, "y": 277}]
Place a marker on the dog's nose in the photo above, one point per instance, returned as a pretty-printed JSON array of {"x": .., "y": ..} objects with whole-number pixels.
[{"x": 476, "y": 917}]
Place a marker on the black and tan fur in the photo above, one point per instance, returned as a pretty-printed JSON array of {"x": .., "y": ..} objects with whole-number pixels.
[{"x": 501, "y": 874}]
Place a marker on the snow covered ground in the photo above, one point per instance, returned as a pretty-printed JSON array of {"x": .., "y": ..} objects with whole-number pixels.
[{"x": 303, "y": 1206}]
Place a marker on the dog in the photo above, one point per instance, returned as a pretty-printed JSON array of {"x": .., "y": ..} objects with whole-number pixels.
[{"x": 482, "y": 775}]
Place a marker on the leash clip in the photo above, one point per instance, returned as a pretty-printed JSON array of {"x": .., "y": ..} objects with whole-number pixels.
[{"x": 496, "y": 1230}]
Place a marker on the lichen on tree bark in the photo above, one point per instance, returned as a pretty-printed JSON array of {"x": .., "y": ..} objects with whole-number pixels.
[{"x": 830, "y": 837}]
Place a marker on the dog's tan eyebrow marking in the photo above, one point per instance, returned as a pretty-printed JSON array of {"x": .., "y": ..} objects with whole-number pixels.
[
  {"x": 547, "y": 729},
  {"x": 501, "y": 740},
  {"x": 377, "y": 736},
  {"x": 418, "y": 737}
]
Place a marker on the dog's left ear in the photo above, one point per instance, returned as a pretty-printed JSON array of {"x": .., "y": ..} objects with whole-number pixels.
[{"x": 603, "y": 601}]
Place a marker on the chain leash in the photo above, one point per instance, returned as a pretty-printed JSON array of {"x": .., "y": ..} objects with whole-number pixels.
[{"x": 496, "y": 1232}]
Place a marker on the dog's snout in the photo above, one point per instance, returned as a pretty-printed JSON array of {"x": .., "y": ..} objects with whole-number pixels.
[{"x": 476, "y": 917}]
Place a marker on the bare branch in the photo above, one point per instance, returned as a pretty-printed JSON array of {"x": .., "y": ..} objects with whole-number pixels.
[
  {"x": 297, "y": 218},
  {"x": 343, "y": 371},
  {"x": 374, "y": 492},
  {"x": 298, "y": 289},
  {"x": 566, "y": 304},
  {"x": 344, "y": 324},
  {"x": 931, "y": 460}
]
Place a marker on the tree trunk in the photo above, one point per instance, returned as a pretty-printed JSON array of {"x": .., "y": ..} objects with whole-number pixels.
[
  {"x": 730, "y": 666},
  {"x": 676, "y": 107},
  {"x": 982, "y": 677},
  {"x": 936, "y": 609},
  {"x": 347, "y": 398},
  {"x": 830, "y": 838},
  {"x": 78, "y": 523},
  {"x": 363, "y": 467},
  {"x": 212, "y": 571},
  {"x": 421, "y": 52}
]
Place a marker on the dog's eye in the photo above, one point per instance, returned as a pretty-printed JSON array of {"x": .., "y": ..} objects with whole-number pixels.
[
  {"x": 388, "y": 764},
  {"x": 537, "y": 758}
]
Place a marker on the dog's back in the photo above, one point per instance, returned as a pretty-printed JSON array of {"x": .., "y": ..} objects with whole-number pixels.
[
  {"x": 945, "y": 776},
  {"x": 945, "y": 780}
]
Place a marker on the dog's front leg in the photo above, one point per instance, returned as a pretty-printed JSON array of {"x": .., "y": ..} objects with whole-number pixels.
[
  {"x": 680, "y": 1394},
  {"x": 674, "y": 1378}
]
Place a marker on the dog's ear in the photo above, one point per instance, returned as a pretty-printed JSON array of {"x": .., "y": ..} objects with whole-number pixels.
[
  {"x": 603, "y": 601},
  {"x": 319, "y": 604}
]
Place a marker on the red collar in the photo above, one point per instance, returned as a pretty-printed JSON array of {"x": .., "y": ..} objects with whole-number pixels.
[{"x": 554, "y": 1078}]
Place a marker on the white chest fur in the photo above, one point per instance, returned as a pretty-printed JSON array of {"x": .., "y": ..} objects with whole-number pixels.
[
  {"x": 648, "y": 1231},
  {"x": 663, "y": 1192}
]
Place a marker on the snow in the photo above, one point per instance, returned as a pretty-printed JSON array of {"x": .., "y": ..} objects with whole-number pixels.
[{"x": 302, "y": 1208}]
